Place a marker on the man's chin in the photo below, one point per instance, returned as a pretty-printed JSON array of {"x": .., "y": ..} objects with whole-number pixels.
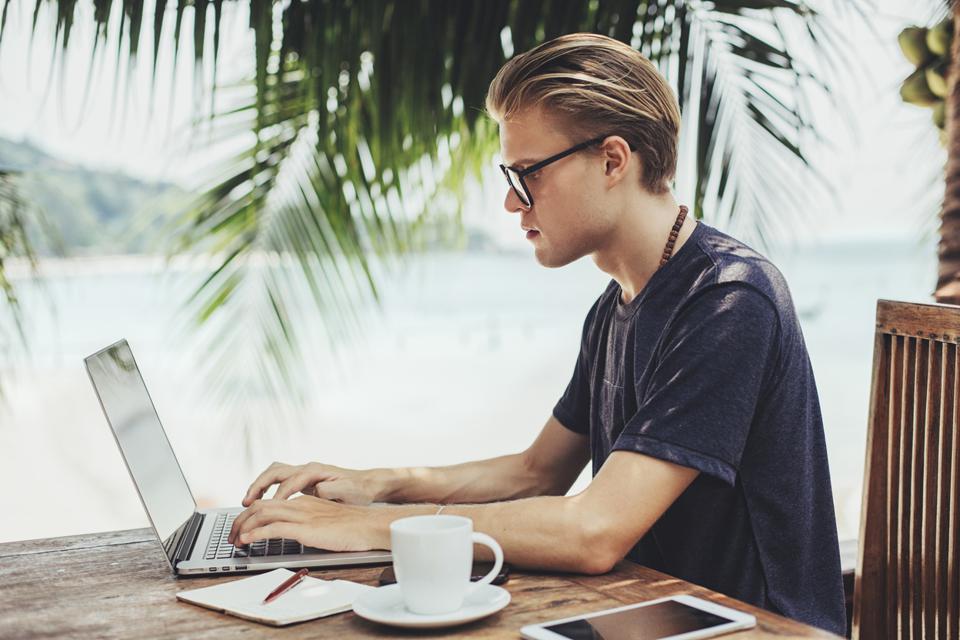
[{"x": 552, "y": 260}]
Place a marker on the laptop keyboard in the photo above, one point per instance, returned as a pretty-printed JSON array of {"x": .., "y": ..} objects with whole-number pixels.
[{"x": 218, "y": 548}]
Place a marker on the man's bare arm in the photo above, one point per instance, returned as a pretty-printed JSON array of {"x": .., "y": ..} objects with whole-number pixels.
[
  {"x": 585, "y": 533},
  {"x": 591, "y": 531},
  {"x": 548, "y": 467}
]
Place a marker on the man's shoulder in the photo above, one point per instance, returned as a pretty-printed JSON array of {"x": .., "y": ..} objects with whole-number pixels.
[{"x": 735, "y": 263}]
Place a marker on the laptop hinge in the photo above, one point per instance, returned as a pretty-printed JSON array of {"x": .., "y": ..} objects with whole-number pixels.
[{"x": 188, "y": 538}]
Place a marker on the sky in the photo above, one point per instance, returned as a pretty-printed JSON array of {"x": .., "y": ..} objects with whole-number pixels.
[{"x": 886, "y": 167}]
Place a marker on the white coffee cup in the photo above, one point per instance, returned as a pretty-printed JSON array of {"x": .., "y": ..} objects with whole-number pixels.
[{"x": 433, "y": 558}]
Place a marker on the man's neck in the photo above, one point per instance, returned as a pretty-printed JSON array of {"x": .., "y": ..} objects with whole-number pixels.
[{"x": 635, "y": 247}]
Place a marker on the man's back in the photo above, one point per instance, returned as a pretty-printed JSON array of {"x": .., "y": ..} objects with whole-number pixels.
[{"x": 707, "y": 368}]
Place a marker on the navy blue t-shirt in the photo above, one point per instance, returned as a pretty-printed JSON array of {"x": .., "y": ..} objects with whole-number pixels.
[{"x": 707, "y": 368}]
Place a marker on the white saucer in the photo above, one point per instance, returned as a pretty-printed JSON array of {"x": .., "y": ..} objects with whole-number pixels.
[{"x": 385, "y": 605}]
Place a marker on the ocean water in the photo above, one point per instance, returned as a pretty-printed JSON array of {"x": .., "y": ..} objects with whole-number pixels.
[{"x": 463, "y": 359}]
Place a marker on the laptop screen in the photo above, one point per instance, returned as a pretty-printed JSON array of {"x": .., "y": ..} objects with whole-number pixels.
[{"x": 142, "y": 441}]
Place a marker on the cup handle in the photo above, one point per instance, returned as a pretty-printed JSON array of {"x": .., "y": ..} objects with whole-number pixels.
[{"x": 484, "y": 539}]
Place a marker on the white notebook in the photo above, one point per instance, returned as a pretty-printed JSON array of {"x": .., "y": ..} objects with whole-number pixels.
[{"x": 312, "y": 598}]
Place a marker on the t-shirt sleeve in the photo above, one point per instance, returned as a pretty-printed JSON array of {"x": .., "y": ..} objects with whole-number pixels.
[
  {"x": 699, "y": 402},
  {"x": 573, "y": 408}
]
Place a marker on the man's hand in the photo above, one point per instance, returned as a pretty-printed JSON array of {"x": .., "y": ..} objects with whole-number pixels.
[
  {"x": 314, "y": 479},
  {"x": 313, "y": 522}
]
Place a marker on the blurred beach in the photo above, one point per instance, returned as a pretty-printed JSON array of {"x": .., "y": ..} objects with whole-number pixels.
[{"x": 463, "y": 359}]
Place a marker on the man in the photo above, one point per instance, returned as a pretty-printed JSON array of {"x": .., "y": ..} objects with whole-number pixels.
[{"x": 692, "y": 394}]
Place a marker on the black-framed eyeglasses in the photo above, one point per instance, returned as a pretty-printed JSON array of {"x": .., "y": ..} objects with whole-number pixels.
[{"x": 515, "y": 177}]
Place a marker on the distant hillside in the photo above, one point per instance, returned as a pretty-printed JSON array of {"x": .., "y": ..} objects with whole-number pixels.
[
  {"x": 93, "y": 212},
  {"x": 98, "y": 212}
]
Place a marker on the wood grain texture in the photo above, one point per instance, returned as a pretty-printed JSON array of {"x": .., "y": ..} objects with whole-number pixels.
[
  {"x": 938, "y": 322},
  {"x": 951, "y": 500},
  {"x": 118, "y": 585},
  {"x": 906, "y": 586},
  {"x": 928, "y": 503}
]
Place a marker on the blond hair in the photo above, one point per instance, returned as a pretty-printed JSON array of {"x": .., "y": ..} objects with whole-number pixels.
[{"x": 596, "y": 85}]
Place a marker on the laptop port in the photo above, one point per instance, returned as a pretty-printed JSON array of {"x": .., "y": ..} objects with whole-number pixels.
[
  {"x": 225, "y": 568},
  {"x": 240, "y": 567},
  {"x": 212, "y": 569}
]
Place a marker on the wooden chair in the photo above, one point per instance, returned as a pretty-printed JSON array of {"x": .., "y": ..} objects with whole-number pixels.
[{"x": 907, "y": 575}]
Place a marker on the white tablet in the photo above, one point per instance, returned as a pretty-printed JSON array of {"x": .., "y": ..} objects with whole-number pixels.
[{"x": 674, "y": 618}]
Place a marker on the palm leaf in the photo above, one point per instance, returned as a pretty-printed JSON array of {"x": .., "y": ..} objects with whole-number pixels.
[
  {"x": 753, "y": 115},
  {"x": 364, "y": 116},
  {"x": 14, "y": 243}
]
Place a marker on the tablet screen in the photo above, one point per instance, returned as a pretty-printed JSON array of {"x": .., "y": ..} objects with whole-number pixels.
[{"x": 661, "y": 620}]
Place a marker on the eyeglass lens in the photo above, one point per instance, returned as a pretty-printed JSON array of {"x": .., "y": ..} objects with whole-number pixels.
[{"x": 514, "y": 180}]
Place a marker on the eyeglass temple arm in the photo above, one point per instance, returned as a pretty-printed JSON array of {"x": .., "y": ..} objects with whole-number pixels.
[{"x": 559, "y": 156}]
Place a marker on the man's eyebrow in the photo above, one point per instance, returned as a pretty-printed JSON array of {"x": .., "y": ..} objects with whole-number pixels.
[{"x": 522, "y": 163}]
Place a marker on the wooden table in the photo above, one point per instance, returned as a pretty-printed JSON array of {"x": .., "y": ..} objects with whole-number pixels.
[{"x": 118, "y": 585}]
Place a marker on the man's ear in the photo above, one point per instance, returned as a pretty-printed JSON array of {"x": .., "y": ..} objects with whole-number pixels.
[{"x": 616, "y": 158}]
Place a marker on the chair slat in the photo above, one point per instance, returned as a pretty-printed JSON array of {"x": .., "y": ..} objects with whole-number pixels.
[
  {"x": 897, "y": 374},
  {"x": 905, "y": 490},
  {"x": 873, "y": 554},
  {"x": 917, "y": 472},
  {"x": 929, "y": 435},
  {"x": 953, "y": 518},
  {"x": 944, "y": 444}
]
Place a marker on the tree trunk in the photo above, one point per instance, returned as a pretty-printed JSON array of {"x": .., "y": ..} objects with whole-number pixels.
[{"x": 948, "y": 273}]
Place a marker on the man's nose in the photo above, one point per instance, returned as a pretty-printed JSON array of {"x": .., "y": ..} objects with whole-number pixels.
[{"x": 512, "y": 203}]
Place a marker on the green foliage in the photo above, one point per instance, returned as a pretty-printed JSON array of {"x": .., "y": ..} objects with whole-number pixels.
[
  {"x": 13, "y": 244},
  {"x": 13, "y": 237},
  {"x": 365, "y": 118}
]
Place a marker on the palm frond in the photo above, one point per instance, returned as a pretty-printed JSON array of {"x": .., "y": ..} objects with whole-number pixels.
[
  {"x": 14, "y": 243},
  {"x": 364, "y": 118},
  {"x": 755, "y": 124}
]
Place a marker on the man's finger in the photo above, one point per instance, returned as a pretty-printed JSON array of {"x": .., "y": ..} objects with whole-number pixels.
[
  {"x": 257, "y": 520},
  {"x": 263, "y": 482},
  {"x": 238, "y": 522},
  {"x": 332, "y": 490},
  {"x": 256, "y": 507},
  {"x": 277, "y": 529},
  {"x": 273, "y": 474},
  {"x": 291, "y": 485},
  {"x": 264, "y": 512}
]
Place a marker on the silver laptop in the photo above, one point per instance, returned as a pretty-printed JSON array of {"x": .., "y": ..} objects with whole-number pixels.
[{"x": 194, "y": 541}]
